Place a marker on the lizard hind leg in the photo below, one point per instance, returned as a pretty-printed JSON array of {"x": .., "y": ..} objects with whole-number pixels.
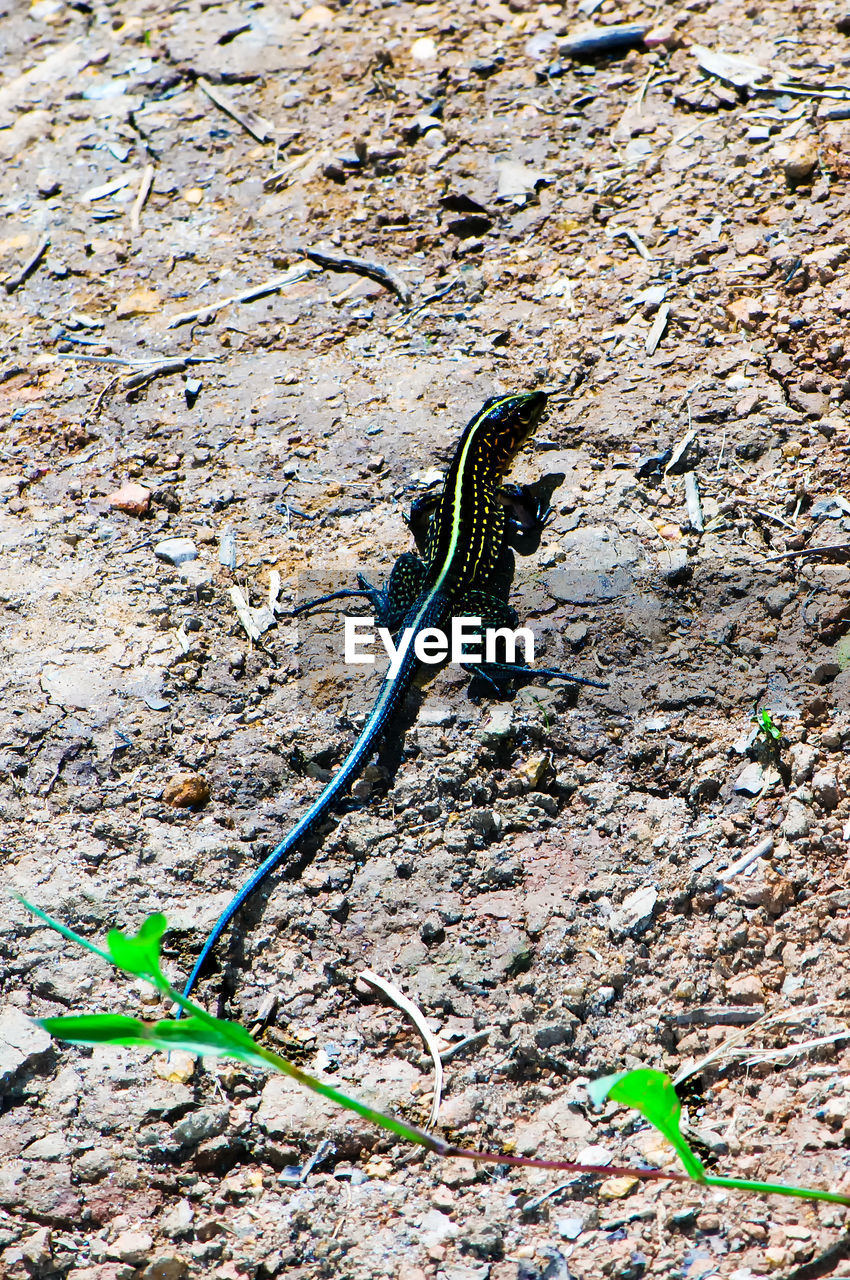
[
  {"x": 390, "y": 603},
  {"x": 495, "y": 614},
  {"x": 407, "y": 578},
  {"x": 502, "y": 669},
  {"x": 364, "y": 589}
]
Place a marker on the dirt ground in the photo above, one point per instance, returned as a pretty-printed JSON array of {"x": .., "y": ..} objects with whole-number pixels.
[{"x": 659, "y": 237}]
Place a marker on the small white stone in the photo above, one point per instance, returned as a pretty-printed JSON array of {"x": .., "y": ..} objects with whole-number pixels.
[
  {"x": 634, "y": 913},
  {"x": 176, "y": 550}
]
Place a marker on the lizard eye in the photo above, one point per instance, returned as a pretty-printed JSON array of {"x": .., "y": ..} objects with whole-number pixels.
[{"x": 530, "y": 411}]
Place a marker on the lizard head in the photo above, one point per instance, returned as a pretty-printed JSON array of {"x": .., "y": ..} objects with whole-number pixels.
[{"x": 508, "y": 421}]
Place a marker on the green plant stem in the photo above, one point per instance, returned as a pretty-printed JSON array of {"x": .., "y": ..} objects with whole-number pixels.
[
  {"x": 66, "y": 932},
  {"x": 446, "y": 1149},
  {"x": 242, "y": 1045},
  {"x": 778, "y": 1189}
]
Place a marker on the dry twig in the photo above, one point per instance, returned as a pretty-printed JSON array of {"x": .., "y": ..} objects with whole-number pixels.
[
  {"x": 141, "y": 196},
  {"x": 417, "y": 1017},
  {"x": 15, "y": 282},
  {"x": 258, "y": 128},
  {"x": 248, "y": 295},
  {"x": 825, "y": 550},
  {"x": 364, "y": 267},
  {"x": 734, "y": 1046}
]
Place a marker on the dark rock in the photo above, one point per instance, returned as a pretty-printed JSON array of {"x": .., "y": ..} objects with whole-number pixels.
[
  {"x": 778, "y": 599},
  {"x": 431, "y": 931},
  {"x": 672, "y": 697},
  {"x": 552, "y": 1034}
]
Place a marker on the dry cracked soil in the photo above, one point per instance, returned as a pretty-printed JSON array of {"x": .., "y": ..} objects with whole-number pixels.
[{"x": 564, "y": 882}]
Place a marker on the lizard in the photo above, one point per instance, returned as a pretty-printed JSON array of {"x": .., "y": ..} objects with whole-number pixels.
[{"x": 461, "y": 574}]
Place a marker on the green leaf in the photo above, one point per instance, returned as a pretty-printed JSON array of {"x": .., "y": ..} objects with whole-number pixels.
[
  {"x": 222, "y": 1040},
  {"x": 96, "y": 1028},
  {"x": 206, "y": 1037},
  {"x": 208, "y": 1040},
  {"x": 140, "y": 955},
  {"x": 764, "y": 720},
  {"x": 653, "y": 1095}
]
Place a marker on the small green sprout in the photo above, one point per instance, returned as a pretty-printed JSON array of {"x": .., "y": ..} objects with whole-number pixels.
[{"x": 764, "y": 720}]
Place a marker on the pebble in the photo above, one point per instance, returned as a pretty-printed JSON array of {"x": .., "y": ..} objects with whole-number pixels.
[
  {"x": 130, "y": 1246},
  {"x": 176, "y": 551},
  {"x": 777, "y": 600},
  {"x": 177, "y": 1066},
  {"x": 187, "y": 791},
  {"x": 674, "y": 565},
  {"x": 22, "y": 1044},
  {"x": 423, "y": 49},
  {"x": 556, "y": 1033},
  {"x": 746, "y": 990},
  {"x": 745, "y": 311},
  {"x": 135, "y": 499},
  {"x": 51, "y": 1147},
  {"x": 533, "y": 770},
  {"x": 47, "y": 185},
  {"x": 38, "y": 1250},
  {"x": 825, "y": 788},
  {"x": 797, "y": 822},
  {"x": 617, "y": 1188},
  {"x": 804, "y": 757},
  {"x": 755, "y": 778},
  {"x": 178, "y": 1220},
  {"x": 662, "y": 35},
  {"x": 317, "y": 16},
  {"x": 165, "y": 1266},
  {"x": 191, "y": 390},
  {"x": 748, "y": 403},
  {"x": 95, "y": 1164},
  {"x": 765, "y": 887},
  {"x": 206, "y": 1122},
  {"x": 634, "y": 914},
  {"x": 601, "y": 998},
  {"x": 436, "y": 715},
  {"x": 499, "y": 727},
  {"x": 513, "y": 956},
  {"x": 576, "y": 634},
  {"x": 801, "y": 161},
  {"x": 435, "y": 1227},
  {"x": 227, "y": 548}
]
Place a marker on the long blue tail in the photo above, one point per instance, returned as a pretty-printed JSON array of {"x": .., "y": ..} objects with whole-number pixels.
[{"x": 385, "y": 705}]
